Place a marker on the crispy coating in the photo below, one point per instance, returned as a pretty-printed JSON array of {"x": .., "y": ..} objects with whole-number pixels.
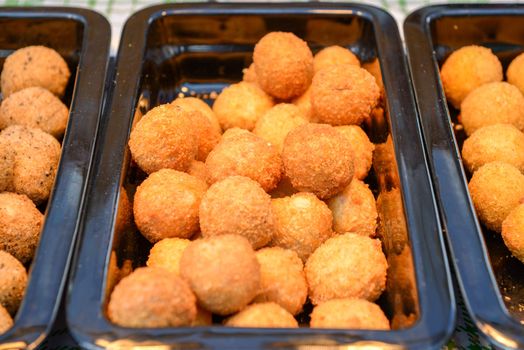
[
  {"x": 166, "y": 205},
  {"x": 34, "y": 66},
  {"x": 13, "y": 280},
  {"x": 164, "y": 138},
  {"x": 362, "y": 148},
  {"x": 6, "y": 321},
  {"x": 334, "y": 55},
  {"x": 319, "y": 159},
  {"x": 513, "y": 232},
  {"x": 496, "y": 189},
  {"x": 237, "y": 205},
  {"x": 7, "y": 164},
  {"x": 303, "y": 102},
  {"x": 222, "y": 271},
  {"x": 515, "y": 72},
  {"x": 350, "y": 314},
  {"x": 466, "y": 69},
  {"x": 302, "y": 223},
  {"x": 282, "y": 279},
  {"x": 195, "y": 104},
  {"x": 198, "y": 169},
  {"x": 283, "y": 65},
  {"x": 373, "y": 68},
  {"x": 152, "y": 297},
  {"x": 347, "y": 266},
  {"x": 343, "y": 94},
  {"x": 265, "y": 315},
  {"x": 354, "y": 210},
  {"x": 493, "y": 103},
  {"x": 167, "y": 254},
  {"x": 498, "y": 142}
]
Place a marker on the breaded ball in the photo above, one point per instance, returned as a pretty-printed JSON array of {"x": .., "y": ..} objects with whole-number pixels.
[
  {"x": 223, "y": 272},
  {"x": 466, "y": 69},
  {"x": 167, "y": 254},
  {"x": 496, "y": 189},
  {"x": 237, "y": 205},
  {"x": 347, "y": 266},
  {"x": 34, "y": 66},
  {"x": 282, "y": 279},
  {"x": 166, "y": 205},
  {"x": 283, "y": 65},
  {"x": 302, "y": 223},
  {"x": 334, "y": 55},
  {"x": 515, "y": 72},
  {"x": 499, "y": 142},
  {"x": 152, "y": 297},
  {"x": 354, "y": 210},
  {"x": 493, "y": 103},
  {"x": 198, "y": 169},
  {"x": 513, "y": 232},
  {"x": 35, "y": 107},
  {"x": 265, "y": 315},
  {"x": 190, "y": 104},
  {"x": 373, "y": 68},
  {"x": 13, "y": 280},
  {"x": 6, "y": 321},
  {"x": 349, "y": 314},
  {"x": 276, "y": 123},
  {"x": 241, "y": 105},
  {"x": 319, "y": 159},
  {"x": 20, "y": 225},
  {"x": 7, "y": 164},
  {"x": 164, "y": 138},
  {"x": 303, "y": 102},
  {"x": 362, "y": 149},
  {"x": 245, "y": 154},
  {"x": 249, "y": 75},
  {"x": 343, "y": 94}
]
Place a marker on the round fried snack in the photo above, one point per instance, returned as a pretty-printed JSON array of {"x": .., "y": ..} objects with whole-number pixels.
[
  {"x": 334, "y": 55},
  {"x": 347, "y": 266},
  {"x": 496, "y": 189},
  {"x": 34, "y": 66},
  {"x": 7, "y": 164},
  {"x": 167, "y": 254},
  {"x": 513, "y": 232},
  {"x": 515, "y": 72},
  {"x": 493, "y": 103},
  {"x": 319, "y": 159},
  {"x": 237, "y": 205},
  {"x": 152, "y": 297},
  {"x": 362, "y": 149},
  {"x": 466, "y": 69},
  {"x": 6, "y": 321},
  {"x": 265, "y": 315},
  {"x": 198, "y": 169},
  {"x": 164, "y": 138},
  {"x": 349, "y": 314},
  {"x": 343, "y": 94},
  {"x": 282, "y": 279},
  {"x": 166, "y": 205},
  {"x": 191, "y": 104},
  {"x": 222, "y": 271},
  {"x": 283, "y": 65},
  {"x": 13, "y": 280},
  {"x": 303, "y": 102}
]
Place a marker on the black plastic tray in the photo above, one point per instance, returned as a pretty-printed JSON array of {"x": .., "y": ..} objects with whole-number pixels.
[
  {"x": 82, "y": 37},
  {"x": 171, "y": 49},
  {"x": 491, "y": 281}
]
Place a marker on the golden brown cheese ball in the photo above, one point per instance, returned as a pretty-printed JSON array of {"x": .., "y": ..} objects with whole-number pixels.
[
  {"x": 466, "y": 69},
  {"x": 198, "y": 169},
  {"x": 152, "y": 297},
  {"x": 354, "y": 210},
  {"x": 237, "y": 205},
  {"x": 349, "y": 314},
  {"x": 167, "y": 254},
  {"x": 319, "y": 159},
  {"x": 343, "y": 94},
  {"x": 515, "y": 72},
  {"x": 265, "y": 315},
  {"x": 13, "y": 280},
  {"x": 34, "y": 66},
  {"x": 222, "y": 271},
  {"x": 166, "y": 205},
  {"x": 35, "y": 107},
  {"x": 7, "y": 164},
  {"x": 195, "y": 104},
  {"x": 347, "y": 266},
  {"x": 334, "y": 55},
  {"x": 6, "y": 321},
  {"x": 20, "y": 225},
  {"x": 241, "y": 105},
  {"x": 303, "y": 102},
  {"x": 513, "y": 232},
  {"x": 493, "y": 103},
  {"x": 362, "y": 149},
  {"x": 164, "y": 138},
  {"x": 499, "y": 142},
  {"x": 282, "y": 279},
  {"x": 283, "y": 65},
  {"x": 496, "y": 189}
]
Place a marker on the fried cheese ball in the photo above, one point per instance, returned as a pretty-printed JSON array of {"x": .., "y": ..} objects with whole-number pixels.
[
  {"x": 152, "y": 297},
  {"x": 343, "y": 94},
  {"x": 282, "y": 279},
  {"x": 34, "y": 66},
  {"x": 347, "y": 266},
  {"x": 515, "y": 72},
  {"x": 334, "y": 55},
  {"x": 198, "y": 169},
  {"x": 13, "y": 280},
  {"x": 164, "y": 138},
  {"x": 166, "y": 205},
  {"x": 498, "y": 142},
  {"x": 493, "y": 103},
  {"x": 302, "y": 223},
  {"x": 237, "y": 205},
  {"x": 240, "y": 105},
  {"x": 167, "y": 254},
  {"x": 496, "y": 189},
  {"x": 6, "y": 321},
  {"x": 513, "y": 232},
  {"x": 222, "y": 271},
  {"x": 303, "y": 102},
  {"x": 362, "y": 149},
  {"x": 195, "y": 104},
  {"x": 265, "y": 315},
  {"x": 318, "y": 159},
  {"x": 349, "y": 314}
]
